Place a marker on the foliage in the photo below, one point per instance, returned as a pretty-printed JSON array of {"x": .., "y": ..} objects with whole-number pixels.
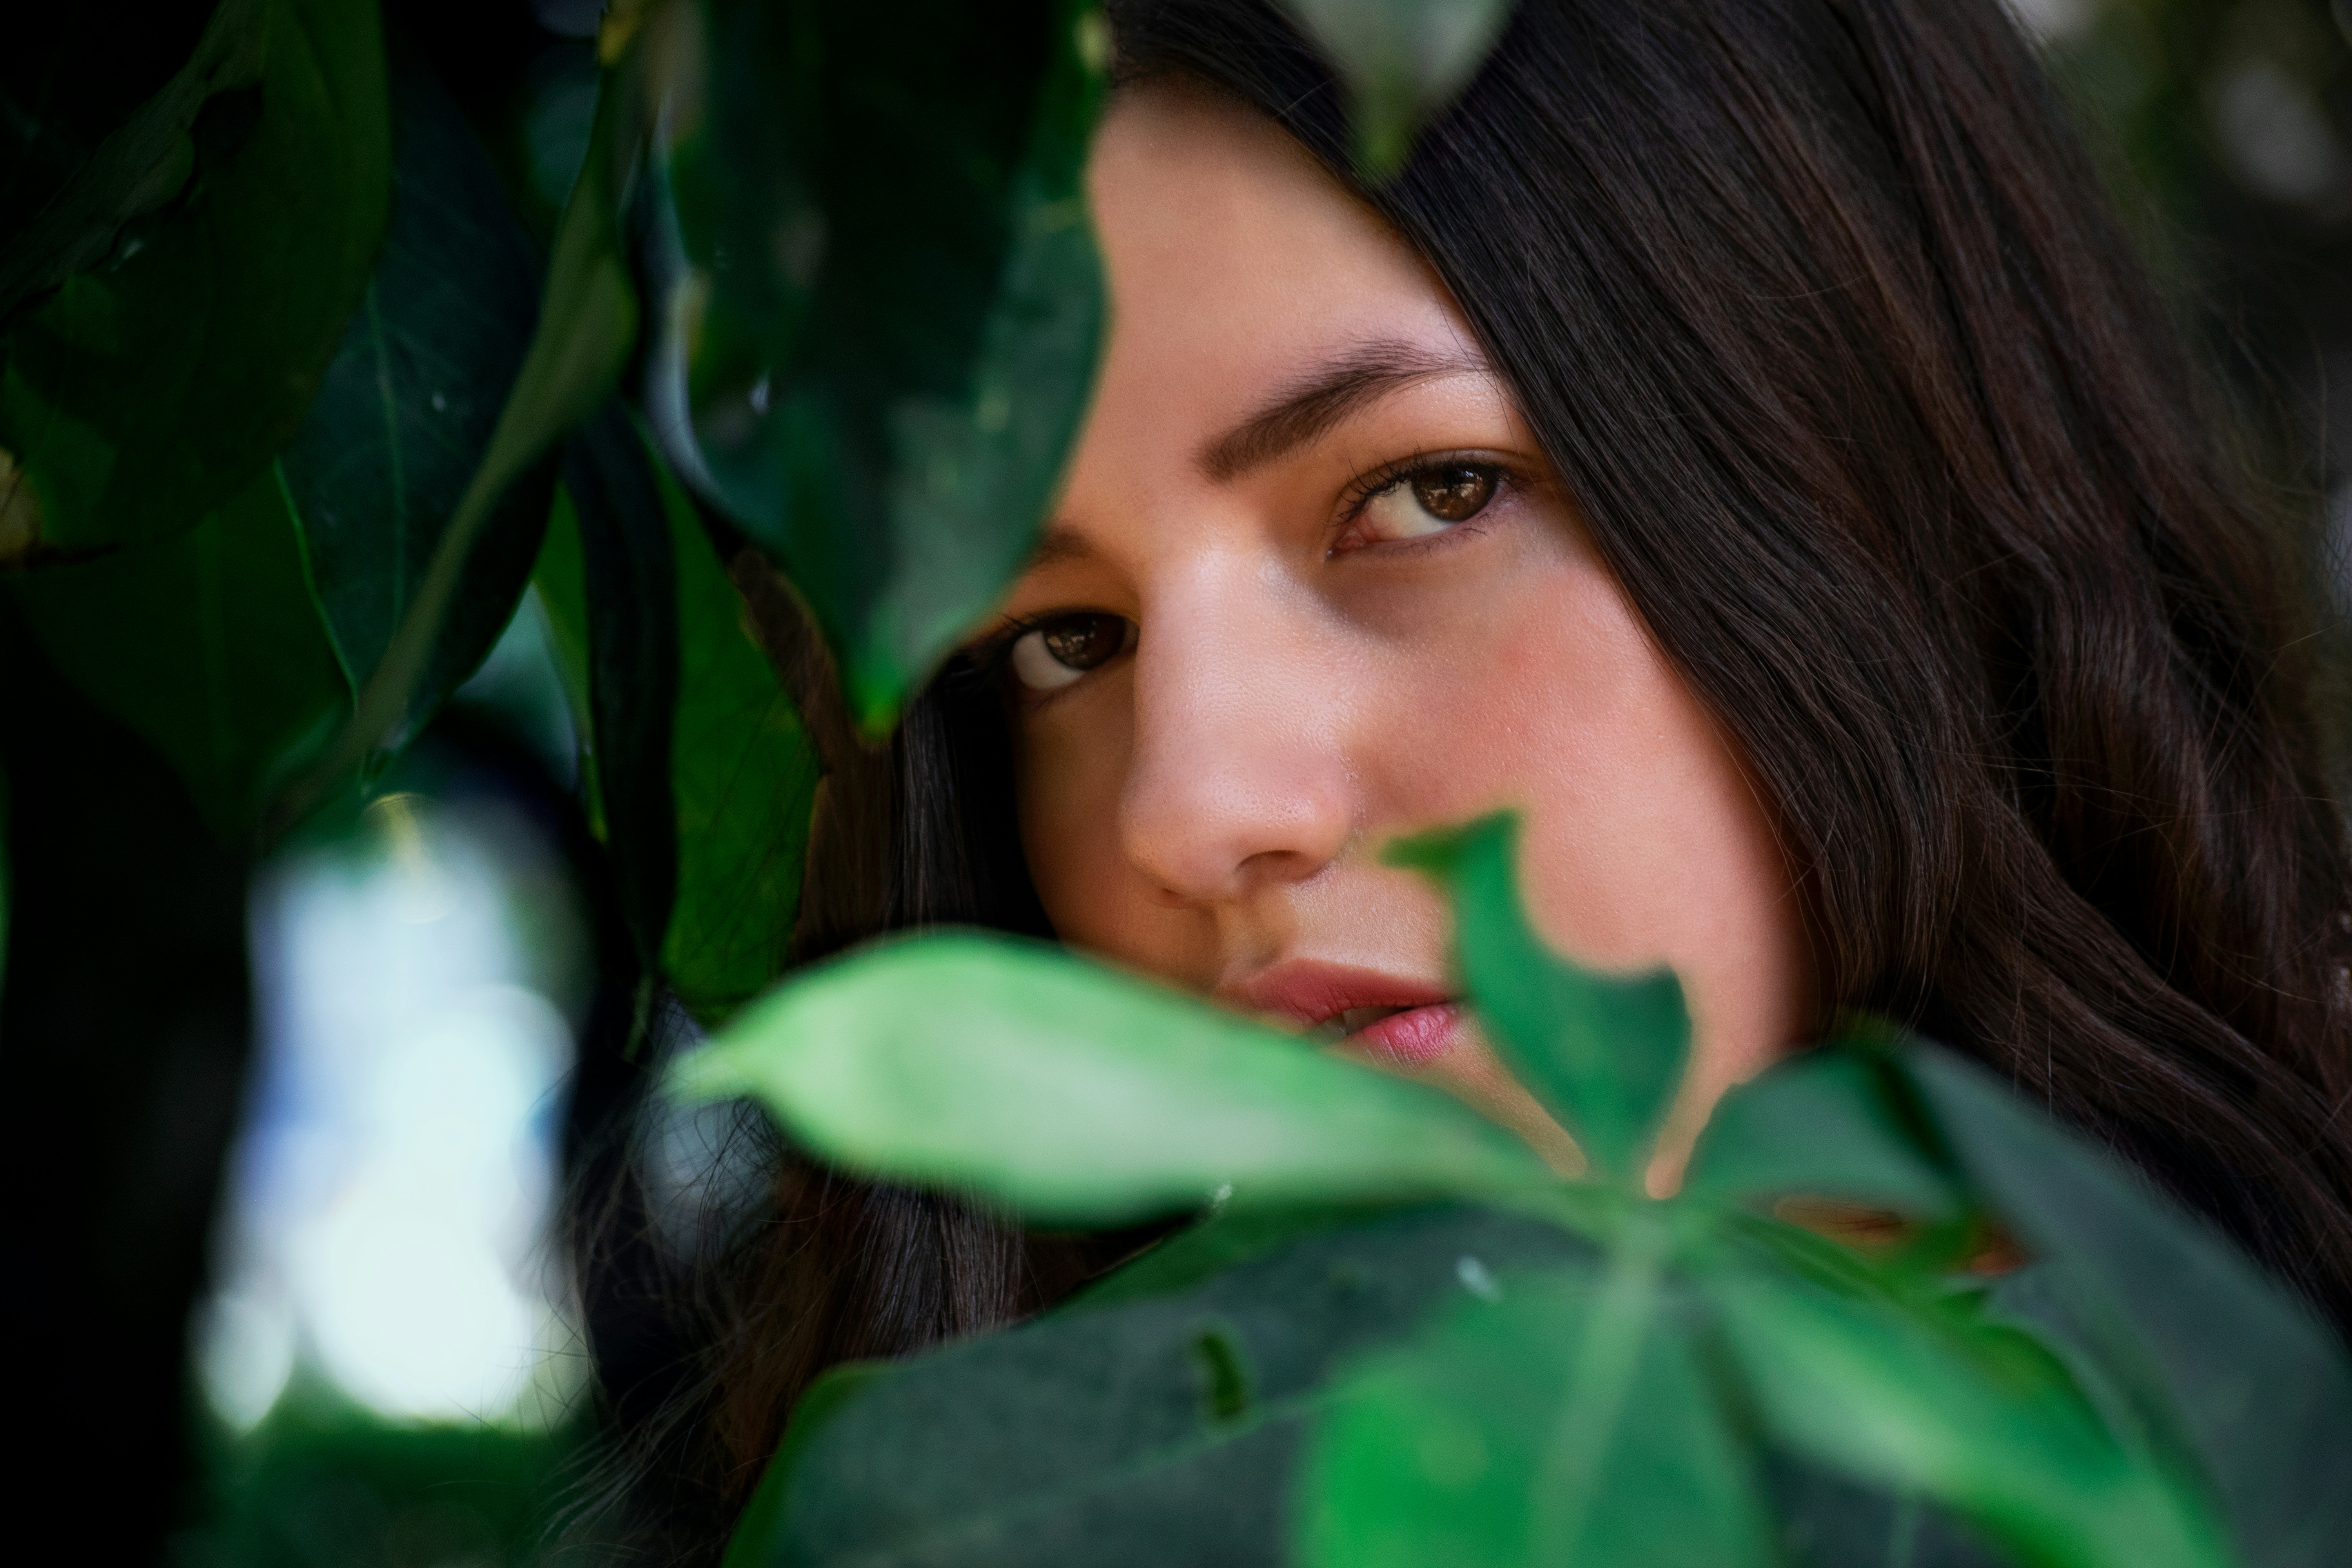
[
  {"x": 124, "y": 417},
  {"x": 294, "y": 419},
  {"x": 881, "y": 330},
  {"x": 1337, "y": 1369}
]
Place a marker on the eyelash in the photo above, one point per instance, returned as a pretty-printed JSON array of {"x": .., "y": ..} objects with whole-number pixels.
[
  {"x": 1361, "y": 490},
  {"x": 990, "y": 657}
]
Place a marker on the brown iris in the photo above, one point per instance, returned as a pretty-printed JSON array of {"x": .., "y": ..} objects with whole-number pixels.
[
  {"x": 1454, "y": 494},
  {"x": 1084, "y": 641}
]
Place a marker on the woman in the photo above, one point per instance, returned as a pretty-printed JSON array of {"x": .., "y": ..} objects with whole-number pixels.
[{"x": 1737, "y": 439}]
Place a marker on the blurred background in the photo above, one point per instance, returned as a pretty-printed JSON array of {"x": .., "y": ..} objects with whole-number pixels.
[{"x": 295, "y": 1253}]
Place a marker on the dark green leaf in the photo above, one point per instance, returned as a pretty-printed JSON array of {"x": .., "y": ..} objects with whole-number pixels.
[
  {"x": 735, "y": 765},
  {"x": 6, "y": 886},
  {"x": 141, "y": 166},
  {"x": 560, "y": 578},
  {"x": 1603, "y": 1055},
  {"x": 587, "y": 325},
  {"x": 136, "y": 400},
  {"x": 631, "y": 587},
  {"x": 1113, "y": 1435},
  {"x": 743, "y": 776},
  {"x": 1826, "y": 1124},
  {"x": 1974, "y": 1418},
  {"x": 2262, "y": 1388},
  {"x": 1402, "y": 61},
  {"x": 1074, "y": 1093},
  {"x": 207, "y": 645},
  {"x": 407, "y": 407},
  {"x": 882, "y": 335},
  {"x": 1566, "y": 1421}
]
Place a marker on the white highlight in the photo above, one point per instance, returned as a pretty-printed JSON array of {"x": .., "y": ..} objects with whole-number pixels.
[{"x": 391, "y": 1197}]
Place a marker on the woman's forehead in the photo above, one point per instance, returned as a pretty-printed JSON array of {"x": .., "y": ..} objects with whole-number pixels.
[{"x": 1239, "y": 266}]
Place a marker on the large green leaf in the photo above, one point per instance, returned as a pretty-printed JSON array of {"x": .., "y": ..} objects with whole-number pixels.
[
  {"x": 6, "y": 886},
  {"x": 206, "y": 644},
  {"x": 883, "y": 332},
  {"x": 2264, "y": 1389},
  {"x": 680, "y": 715},
  {"x": 137, "y": 399},
  {"x": 1074, "y": 1093},
  {"x": 1826, "y": 1124},
  {"x": 1566, "y": 1421},
  {"x": 51, "y": 227},
  {"x": 587, "y": 326},
  {"x": 630, "y": 585},
  {"x": 1402, "y": 60},
  {"x": 743, "y": 777},
  {"x": 408, "y": 404},
  {"x": 1603, "y": 1055},
  {"x": 1977, "y": 1418},
  {"x": 1156, "y": 1431}
]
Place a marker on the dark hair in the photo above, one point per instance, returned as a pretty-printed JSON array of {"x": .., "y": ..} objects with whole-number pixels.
[{"x": 1822, "y": 319}]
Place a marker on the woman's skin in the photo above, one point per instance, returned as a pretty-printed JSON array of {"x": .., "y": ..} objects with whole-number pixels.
[{"x": 1324, "y": 641}]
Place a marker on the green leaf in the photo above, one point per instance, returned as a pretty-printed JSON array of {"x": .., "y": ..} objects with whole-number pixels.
[
  {"x": 631, "y": 590},
  {"x": 140, "y": 167},
  {"x": 1161, "y": 1431},
  {"x": 710, "y": 776},
  {"x": 408, "y": 404},
  {"x": 7, "y": 887},
  {"x": 883, "y": 332},
  {"x": 1978, "y": 1419},
  {"x": 138, "y": 399},
  {"x": 2264, "y": 1389},
  {"x": 560, "y": 578},
  {"x": 1824, "y": 1124},
  {"x": 764, "y": 1517},
  {"x": 1603, "y": 1055},
  {"x": 1570, "y": 1420},
  {"x": 587, "y": 325},
  {"x": 207, "y": 645},
  {"x": 1402, "y": 61},
  {"x": 1074, "y": 1094},
  {"x": 743, "y": 776}
]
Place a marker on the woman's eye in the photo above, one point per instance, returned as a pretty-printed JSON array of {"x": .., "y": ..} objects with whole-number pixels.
[
  {"x": 1057, "y": 652},
  {"x": 1428, "y": 501}
]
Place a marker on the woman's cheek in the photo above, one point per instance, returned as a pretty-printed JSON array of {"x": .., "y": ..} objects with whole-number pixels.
[{"x": 1072, "y": 760}]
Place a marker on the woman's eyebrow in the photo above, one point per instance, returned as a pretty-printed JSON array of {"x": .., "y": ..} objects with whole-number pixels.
[{"x": 1324, "y": 397}]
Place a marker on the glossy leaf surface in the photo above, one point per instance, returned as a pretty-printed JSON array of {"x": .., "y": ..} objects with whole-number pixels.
[
  {"x": 733, "y": 768},
  {"x": 883, "y": 332},
  {"x": 7, "y": 886},
  {"x": 1152, "y": 1431},
  {"x": 1826, "y": 1124},
  {"x": 137, "y": 399},
  {"x": 126, "y": 179},
  {"x": 2265, "y": 1390},
  {"x": 743, "y": 777},
  {"x": 587, "y": 326},
  {"x": 1604, "y": 1054},
  {"x": 1568, "y": 1420},
  {"x": 206, "y": 644},
  {"x": 1982, "y": 1421},
  {"x": 409, "y": 401},
  {"x": 1402, "y": 61},
  {"x": 630, "y": 587},
  {"x": 1076, "y": 1094}
]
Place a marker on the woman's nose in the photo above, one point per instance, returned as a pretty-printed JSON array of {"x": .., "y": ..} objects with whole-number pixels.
[{"x": 1238, "y": 778}]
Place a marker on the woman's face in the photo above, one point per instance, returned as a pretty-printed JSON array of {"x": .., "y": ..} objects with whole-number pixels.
[{"x": 1311, "y": 585}]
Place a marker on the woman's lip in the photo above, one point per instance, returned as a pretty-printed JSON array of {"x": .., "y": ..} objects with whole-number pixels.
[
  {"x": 1412, "y": 1039},
  {"x": 1308, "y": 993}
]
